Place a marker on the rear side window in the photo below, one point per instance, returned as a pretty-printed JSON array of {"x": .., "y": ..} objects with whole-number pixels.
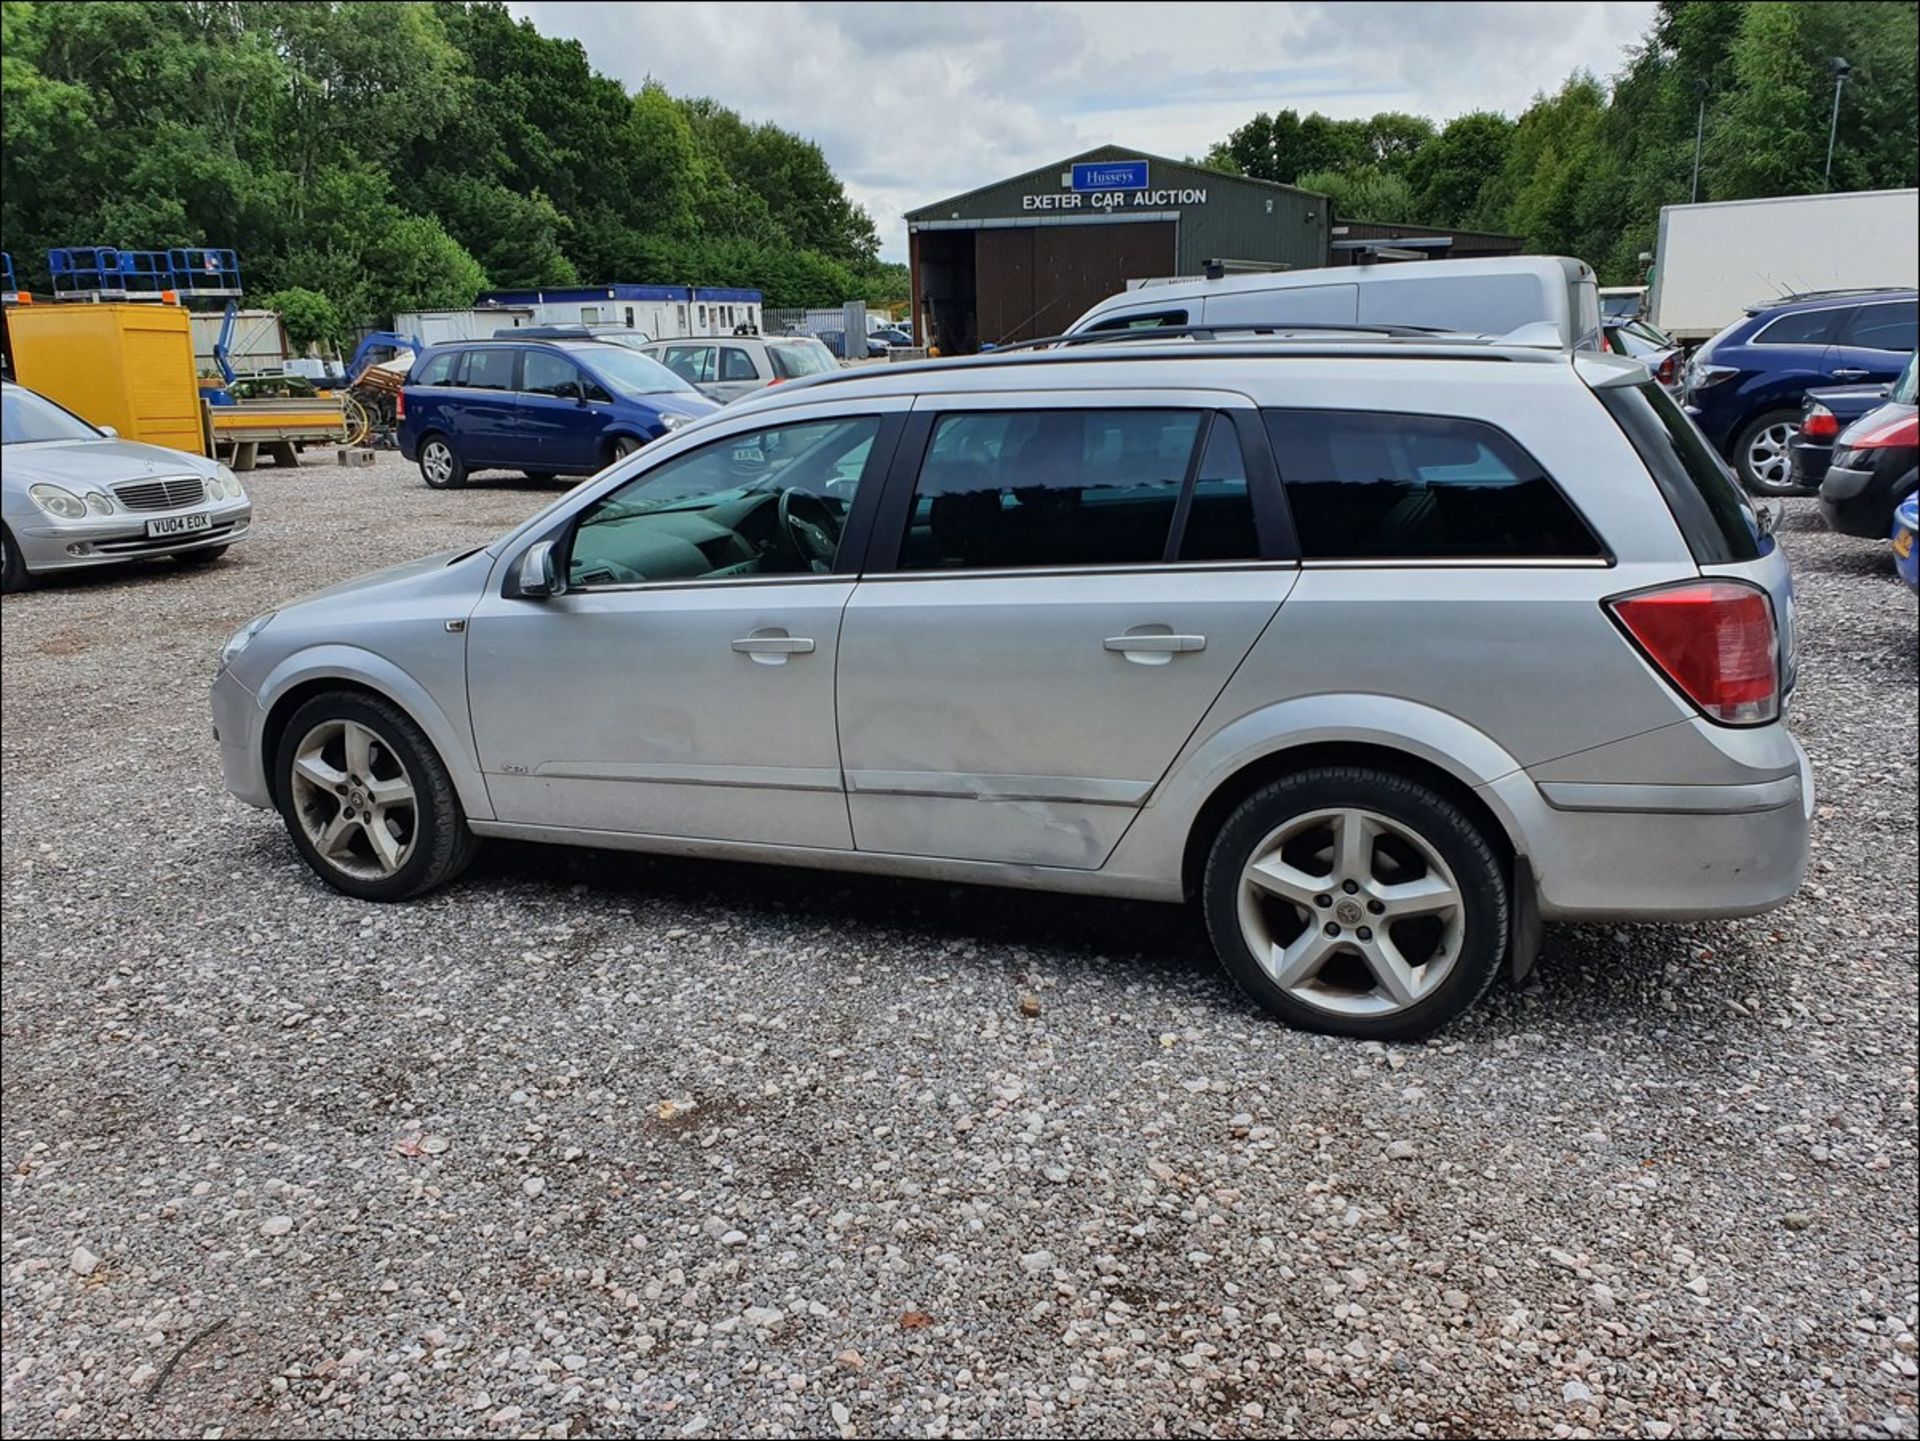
[
  {"x": 1889, "y": 326},
  {"x": 437, "y": 371},
  {"x": 487, "y": 370},
  {"x": 1368, "y": 486},
  {"x": 1017, "y": 489},
  {"x": 1159, "y": 320},
  {"x": 1219, "y": 520},
  {"x": 1806, "y": 327},
  {"x": 1698, "y": 490}
]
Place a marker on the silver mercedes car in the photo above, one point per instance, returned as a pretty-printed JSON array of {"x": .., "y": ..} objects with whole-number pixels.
[
  {"x": 74, "y": 495},
  {"x": 1383, "y": 650}
]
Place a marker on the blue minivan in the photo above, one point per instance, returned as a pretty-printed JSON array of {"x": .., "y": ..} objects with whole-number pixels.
[{"x": 545, "y": 408}]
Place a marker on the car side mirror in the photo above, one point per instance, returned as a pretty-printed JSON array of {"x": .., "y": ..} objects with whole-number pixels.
[
  {"x": 111, "y": 432},
  {"x": 540, "y": 571}
]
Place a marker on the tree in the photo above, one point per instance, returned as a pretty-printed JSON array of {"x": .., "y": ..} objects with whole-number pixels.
[
  {"x": 1448, "y": 173},
  {"x": 1361, "y": 194},
  {"x": 308, "y": 317}
]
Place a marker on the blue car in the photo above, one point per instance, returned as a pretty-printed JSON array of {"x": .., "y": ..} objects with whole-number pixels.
[
  {"x": 1745, "y": 386},
  {"x": 1906, "y": 553},
  {"x": 545, "y": 408}
]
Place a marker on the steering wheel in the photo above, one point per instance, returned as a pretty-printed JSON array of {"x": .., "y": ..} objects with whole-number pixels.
[{"x": 810, "y": 527}]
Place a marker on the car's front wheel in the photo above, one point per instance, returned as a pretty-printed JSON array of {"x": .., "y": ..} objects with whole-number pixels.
[
  {"x": 440, "y": 464},
  {"x": 13, "y": 570},
  {"x": 367, "y": 801},
  {"x": 1357, "y": 902},
  {"x": 620, "y": 447},
  {"x": 1763, "y": 453}
]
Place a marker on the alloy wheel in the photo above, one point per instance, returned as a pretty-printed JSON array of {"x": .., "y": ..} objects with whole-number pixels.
[
  {"x": 437, "y": 461},
  {"x": 1768, "y": 459},
  {"x": 1351, "y": 912},
  {"x": 354, "y": 799}
]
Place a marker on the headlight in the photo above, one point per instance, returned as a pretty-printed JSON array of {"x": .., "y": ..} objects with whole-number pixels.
[
  {"x": 99, "y": 503},
  {"x": 229, "y": 484},
  {"x": 55, "y": 501},
  {"x": 242, "y": 638},
  {"x": 673, "y": 422}
]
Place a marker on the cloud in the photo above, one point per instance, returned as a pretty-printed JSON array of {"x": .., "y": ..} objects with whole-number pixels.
[{"x": 913, "y": 102}]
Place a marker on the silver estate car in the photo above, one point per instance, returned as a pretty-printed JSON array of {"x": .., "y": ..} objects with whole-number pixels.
[
  {"x": 73, "y": 495},
  {"x": 1382, "y": 651}
]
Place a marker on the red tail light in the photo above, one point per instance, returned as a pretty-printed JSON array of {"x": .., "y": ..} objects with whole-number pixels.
[
  {"x": 1714, "y": 641},
  {"x": 1820, "y": 424},
  {"x": 1902, "y": 431},
  {"x": 1668, "y": 370},
  {"x": 400, "y": 405}
]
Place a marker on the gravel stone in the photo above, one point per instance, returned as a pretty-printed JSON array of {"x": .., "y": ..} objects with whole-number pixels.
[{"x": 834, "y": 1067}]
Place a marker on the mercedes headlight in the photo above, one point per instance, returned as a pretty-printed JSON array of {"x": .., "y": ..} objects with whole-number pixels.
[
  {"x": 225, "y": 485},
  {"x": 57, "y": 502},
  {"x": 243, "y": 637}
]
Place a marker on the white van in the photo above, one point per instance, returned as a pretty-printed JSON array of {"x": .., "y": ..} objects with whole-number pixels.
[{"x": 1547, "y": 300}]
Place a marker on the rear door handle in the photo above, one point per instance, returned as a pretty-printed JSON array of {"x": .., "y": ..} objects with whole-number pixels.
[
  {"x": 1156, "y": 643},
  {"x": 774, "y": 649},
  {"x": 1850, "y": 375}
]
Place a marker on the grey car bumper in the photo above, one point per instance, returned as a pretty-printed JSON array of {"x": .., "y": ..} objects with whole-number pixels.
[
  {"x": 238, "y": 723},
  {"x": 48, "y": 545}
]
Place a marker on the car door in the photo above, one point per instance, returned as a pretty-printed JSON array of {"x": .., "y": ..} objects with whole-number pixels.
[
  {"x": 1061, "y": 585},
  {"x": 484, "y": 416},
  {"x": 1874, "y": 342},
  {"x": 736, "y": 376},
  {"x": 683, "y": 683},
  {"x": 559, "y": 428},
  {"x": 692, "y": 363}
]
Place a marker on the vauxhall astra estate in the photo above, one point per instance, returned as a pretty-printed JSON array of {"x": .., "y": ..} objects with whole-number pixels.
[{"x": 1381, "y": 651}]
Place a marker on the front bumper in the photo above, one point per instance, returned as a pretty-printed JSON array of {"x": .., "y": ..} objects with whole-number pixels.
[
  {"x": 1623, "y": 852},
  {"x": 238, "y": 725},
  {"x": 53, "y": 545}
]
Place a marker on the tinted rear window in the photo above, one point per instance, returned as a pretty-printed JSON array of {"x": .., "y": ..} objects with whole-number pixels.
[
  {"x": 1890, "y": 325},
  {"x": 1698, "y": 489},
  {"x": 1368, "y": 486},
  {"x": 1806, "y": 327}
]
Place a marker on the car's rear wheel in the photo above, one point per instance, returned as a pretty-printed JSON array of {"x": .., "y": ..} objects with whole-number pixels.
[
  {"x": 1356, "y": 902},
  {"x": 440, "y": 464},
  {"x": 367, "y": 801},
  {"x": 195, "y": 558},
  {"x": 1762, "y": 454},
  {"x": 13, "y": 570}
]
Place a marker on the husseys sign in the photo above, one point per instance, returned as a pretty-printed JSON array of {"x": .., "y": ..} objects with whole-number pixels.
[{"x": 1110, "y": 185}]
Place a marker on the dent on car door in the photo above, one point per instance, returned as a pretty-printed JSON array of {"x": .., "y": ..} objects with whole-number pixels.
[
  {"x": 1060, "y": 589},
  {"x": 682, "y": 685}
]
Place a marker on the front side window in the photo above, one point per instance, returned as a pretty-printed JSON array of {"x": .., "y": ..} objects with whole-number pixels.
[
  {"x": 547, "y": 374},
  {"x": 1805, "y": 327},
  {"x": 1887, "y": 326},
  {"x": 487, "y": 370},
  {"x": 1219, "y": 520},
  {"x": 1159, "y": 320},
  {"x": 736, "y": 364},
  {"x": 1367, "y": 486},
  {"x": 769, "y": 502},
  {"x": 1025, "y": 488}
]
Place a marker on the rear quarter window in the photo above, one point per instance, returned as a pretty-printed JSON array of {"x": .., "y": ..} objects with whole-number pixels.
[
  {"x": 1363, "y": 485},
  {"x": 437, "y": 371},
  {"x": 1702, "y": 495}
]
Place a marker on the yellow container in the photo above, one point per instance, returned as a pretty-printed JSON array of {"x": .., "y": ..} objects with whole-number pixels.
[{"x": 120, "y": 364}]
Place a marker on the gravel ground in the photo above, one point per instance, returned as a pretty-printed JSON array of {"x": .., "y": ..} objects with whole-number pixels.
[{"x": 591, "y": 1144}]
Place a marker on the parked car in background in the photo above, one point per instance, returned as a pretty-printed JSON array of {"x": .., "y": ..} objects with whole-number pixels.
[
  {"x": 1745, "y": 386},
  {"x": 1622, "y": 302},
  {"x": 1874, "y": 465},
  {"x": 729, "y": 367},
  {"x": 1546, "y": 300},
  {"x": 542, "y": 407},
  {"x": 612, "y": 334},
  {"x": 1824, "y": 413},
  {"x": 1659, "y": 353},
  {"x": 836, "y": 344},
  {"x": 73, "y": 496},
  {"x": 1379, "y": 652},
  {"x": 1906, "y": 522},
  {"x": 894, "y": 337}
]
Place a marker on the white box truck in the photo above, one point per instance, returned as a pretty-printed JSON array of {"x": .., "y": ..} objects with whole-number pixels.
[{"x": 1712, "y": 261}]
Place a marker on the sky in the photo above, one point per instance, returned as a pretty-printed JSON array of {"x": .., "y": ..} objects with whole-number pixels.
[{"x": 916, "y": 102}]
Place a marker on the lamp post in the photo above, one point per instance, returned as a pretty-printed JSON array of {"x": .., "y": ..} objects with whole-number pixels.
[
  {"x": 1840, "y": 70},
  {"x": 1699, "y": 133}
]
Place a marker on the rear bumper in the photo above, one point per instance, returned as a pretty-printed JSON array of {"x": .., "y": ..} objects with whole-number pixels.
[
  {"x": 1635, "y": 852},
  {"x": 1810, "y": 461},
  {"x": 1858, "y": 502}
]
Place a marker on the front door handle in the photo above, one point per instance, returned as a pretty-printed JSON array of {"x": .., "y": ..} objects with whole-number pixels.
[
  {"x": 1154, "y": 647},
  {"x": 1849, "y": 375},
  {"x": 773, "y": 649}
]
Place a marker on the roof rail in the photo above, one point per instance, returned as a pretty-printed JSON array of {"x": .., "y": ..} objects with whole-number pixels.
[
  {"x": 1302, "y": 329},
  {"x": 1833, "y": 294}
]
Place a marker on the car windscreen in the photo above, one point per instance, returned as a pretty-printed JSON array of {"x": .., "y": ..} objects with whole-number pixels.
[
  {"x": 795, "y": 358},
  {"x": 1903, "y": 388},
  {"x": 633, "y": 372},
  {"x": 26, "y": 417}
]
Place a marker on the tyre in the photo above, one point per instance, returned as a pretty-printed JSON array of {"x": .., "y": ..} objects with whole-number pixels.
[
  {"x": 538, "y": 477},
  {"x": 194, "y": 559},
  {"x": 1356, "y": 902},
  {"x": 13, "y": 570},
  {"x": 367, "y": 801},
  {"x": 1761, "y": 456},
  {"x": 620, "y": 447},
  {"x": 440, "y": 466}
]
